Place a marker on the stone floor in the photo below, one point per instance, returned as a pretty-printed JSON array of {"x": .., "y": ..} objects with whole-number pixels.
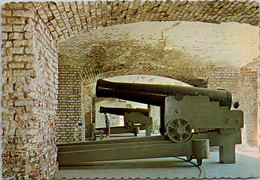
[{"x": 247, "y": 166}]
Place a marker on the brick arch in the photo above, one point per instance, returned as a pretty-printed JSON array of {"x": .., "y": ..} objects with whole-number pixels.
[
  {"x": 68, "y": 19},
  {"x": 197, "y": 77}
]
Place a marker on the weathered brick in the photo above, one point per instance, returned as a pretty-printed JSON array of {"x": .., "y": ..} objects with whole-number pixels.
[
  {"x": 28, "y": 5},
  {"x": 19, "y": 43},
  {"x": 15, "y": 50},
  {"x": 23, "y": 13},
  {"x": 4, "y": 51},
  {"x": 15, "y": 20},
  {"x": 16, "y": 35},
  {"x": 29, "y": 50},
  {"x": 8, "y": 88},
  {"x": 21, "y": 102},
  {"x": 7, "y": 44},
  {"x": 6, "y": 6},
  {"x": 4, "y": 36},
  {"x": 30, "y": 26},
  {"x": 7, "y": 103},
  {"x": 7, "y": 28},
  {"x": 29, "y": 65},
  {"x": 18, "y": 28},
  {"x": 4, "y": 21},
  {"x": 24, "y": 58},
  {"x": 24, "y": 72},
  {"x": 6, "y": 13},
  {"x": 7, "y": 58},
  {"x": 16, "y": 5},
  {"x": 16, "y": 65},
  {"x": 18, "y": 93},
  {"x": 31, "y": 94},
  {"x": 29, "y": 35}
]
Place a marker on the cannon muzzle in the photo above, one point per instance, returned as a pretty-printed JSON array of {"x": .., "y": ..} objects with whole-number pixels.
[
  {"x": 122, "y": 111},
  {"x": 155, "y": 94}
]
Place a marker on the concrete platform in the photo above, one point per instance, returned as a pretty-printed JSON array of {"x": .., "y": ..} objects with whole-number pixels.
[{"x": 247, "y": 166}]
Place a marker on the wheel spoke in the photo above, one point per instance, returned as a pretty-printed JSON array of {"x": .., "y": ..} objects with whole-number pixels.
[
  {"x": 179, "y": 122},
  {"x": 181, "y": 138},
  {"x": 171, "y": 133},
  {"x": 186, "y": 133},
  {"x": 172, "y": 126},
  {"x": 176, "y": 137},
  {"x": 185, "y": 125}
]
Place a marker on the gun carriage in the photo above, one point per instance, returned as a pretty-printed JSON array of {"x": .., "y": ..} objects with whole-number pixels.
[
  {"x": 192, "y": 120},
  {"x": 135, "y": 119}
]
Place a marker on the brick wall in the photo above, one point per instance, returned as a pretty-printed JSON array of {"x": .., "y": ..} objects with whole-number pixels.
[
  {"x": 249, "y": 101},
  {"x": 243, "y": 83},
  {"x": 69, "y": 123},
  {"x": 29, "y": 99},
  {"x": 87, "y": 107}
]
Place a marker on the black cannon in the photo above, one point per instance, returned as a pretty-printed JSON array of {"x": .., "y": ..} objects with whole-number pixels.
[{"x": 155, "y": 94}]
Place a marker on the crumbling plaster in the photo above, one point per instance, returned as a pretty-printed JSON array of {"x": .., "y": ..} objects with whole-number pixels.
[{"x": 182, "y": 43}]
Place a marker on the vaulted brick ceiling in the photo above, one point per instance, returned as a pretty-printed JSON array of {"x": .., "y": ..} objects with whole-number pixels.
[{"x": 67, "y": 19}]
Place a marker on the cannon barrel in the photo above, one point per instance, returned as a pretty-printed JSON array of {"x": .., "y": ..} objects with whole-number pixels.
[
  {"x": 122, "y": 111},
  {"x": 155, "y": 94}
]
